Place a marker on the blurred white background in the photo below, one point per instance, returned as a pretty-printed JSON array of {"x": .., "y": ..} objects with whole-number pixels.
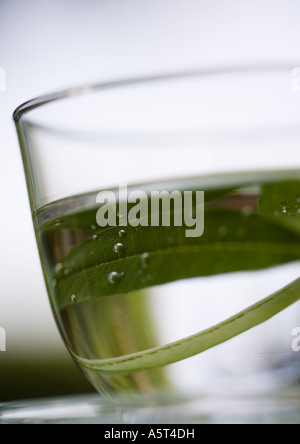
[{"x": 48, "y": 45}]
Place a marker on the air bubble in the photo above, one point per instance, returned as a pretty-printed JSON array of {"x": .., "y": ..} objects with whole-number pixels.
[
  {"x": 119, "y": 249},
  {"x": 122, "y": 233},
  {"x": 58, "y": 268},
  {"x": 73, "y": 298},
  {"x": 54, "y": 283},
  {"x": 95, "y": 237},
  {"x": 284, "y": 208},
  {"x": 114, "y": 277},
  {"x": 93, "y": 227},
  {"x": 145, "y": 260}
]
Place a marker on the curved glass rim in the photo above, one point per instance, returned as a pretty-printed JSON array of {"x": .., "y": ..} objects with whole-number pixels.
[{"x": 40, "y": 101}]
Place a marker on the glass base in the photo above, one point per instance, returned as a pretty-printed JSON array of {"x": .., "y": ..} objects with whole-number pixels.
[{"x": 280, "y": 408}]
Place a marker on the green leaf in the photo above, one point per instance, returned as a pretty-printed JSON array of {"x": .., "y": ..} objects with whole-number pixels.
[
  {"x": 196, "y": 344},
  {"x": 280, "y": 201},
  {"x": 110, "y": 263},
  {"x": 232, "y": 241}
]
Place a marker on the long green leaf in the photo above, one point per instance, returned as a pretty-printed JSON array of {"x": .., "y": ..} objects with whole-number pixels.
[
  {"x": 232, "y": 242},
  {"x": 196, "y": 344},
  {"x": 113, "y": 262}
]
